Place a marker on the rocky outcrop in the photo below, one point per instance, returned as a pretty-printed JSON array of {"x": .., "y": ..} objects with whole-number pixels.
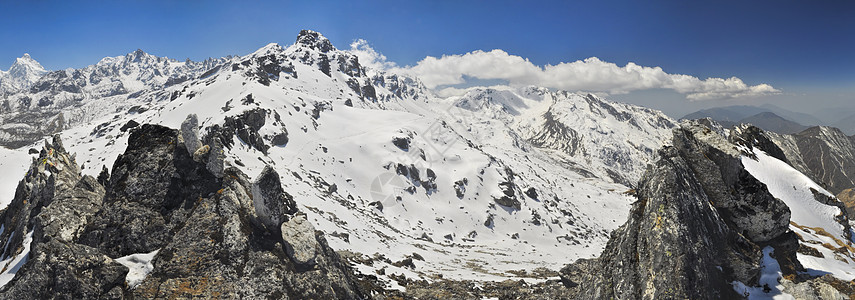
[
  {"x": 848, "y": 198},
  {"x": 698, "y": 225},
  {"x": 675, "y": 245},
  {"x": 51, "y": 207},
  {"x": 212, "y": 240},
  {"x": 742, "y": 200},
  {"x": 226, "y": 251},
  {"x": 152, "y": 189},
  {"x": 271, "y": 203},
  {"x": 246, "y": 126}
]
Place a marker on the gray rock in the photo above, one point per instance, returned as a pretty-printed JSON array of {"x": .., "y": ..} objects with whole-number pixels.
[
  {"x": 271, "y": 203},
  {"x": 300, "y": 242},
  {"x": 220, "y": 253},
  {"x": 153, "y": 187},
  {"x": 61, "y": 270},
  {"x": 190, "y": 133},
  {"x": 210, "y": 241},
  {"x": 740, "y": 198},
  {"x": 216, "y": 158},
  {"x": 674, "y": 245},
  {"x": 54, "y": 203}
]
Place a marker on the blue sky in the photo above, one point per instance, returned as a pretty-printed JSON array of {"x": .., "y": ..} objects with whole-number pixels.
[{"x": 802, "y": 48}]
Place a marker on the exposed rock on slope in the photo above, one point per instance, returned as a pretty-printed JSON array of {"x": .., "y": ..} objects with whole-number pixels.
[
  {"x": 848, "y": 198},
  {"x": 697, "y": 230},
  {"x": 212, "y": 240},
  {"x": 675, "y": 245}
]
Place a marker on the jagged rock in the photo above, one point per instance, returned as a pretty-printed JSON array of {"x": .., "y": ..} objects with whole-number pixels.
[
  {"x": 694, "y": 218},
  {"x": 741, "y": 199},
  {"x": 674, "y": 245},
  {"x": 104, "y": 176},
  {"x": 245, "y": 126},
  {"x": 210, "y": 242},
  {"x": 71, "y": 209},
  {"x": 190, "y": 133},
  {"x": 402, "y": 143},
  {"x": 153, "y": 187},
  {"x": 60, "y": 270},
  {"x": 52, "y": 184},
  {"x": 271, "y": 203},
  {"x": 220, "y": 253},
  {"x": 509, "y": 197},
  {"x": 53, "y": 204},
  {"x": 129, "y": 125},
  {"x": 314, "y": 40}
]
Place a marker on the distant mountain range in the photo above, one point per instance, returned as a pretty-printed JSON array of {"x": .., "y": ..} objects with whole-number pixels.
[
  {"x": 769, "y": 121},
  {"x": 735, "y": 113},
  {"x": 773, "y": 118}
]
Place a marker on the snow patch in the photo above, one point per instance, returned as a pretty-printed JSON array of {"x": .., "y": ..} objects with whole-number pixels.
[
  {"x": 12, "y": 264},
  {"x": 140, "y": 266},
  {"x": 770, "y": 275}
]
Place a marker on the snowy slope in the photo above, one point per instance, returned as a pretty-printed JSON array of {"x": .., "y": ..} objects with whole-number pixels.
[
  {"x": 814, "y": 221},
  {"x": 477, "y": 186},
  {"x": 15, "y": 164}
]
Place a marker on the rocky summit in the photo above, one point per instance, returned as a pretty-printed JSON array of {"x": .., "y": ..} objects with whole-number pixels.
[{"x": 214, "y": 237}]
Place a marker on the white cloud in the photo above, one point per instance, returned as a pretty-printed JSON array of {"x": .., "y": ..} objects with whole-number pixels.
[
  {"x": 370, "y": 57},
  {"x": 589, "y": 75}
]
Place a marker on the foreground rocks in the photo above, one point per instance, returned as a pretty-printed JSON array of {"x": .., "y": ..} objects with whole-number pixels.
[
  {"x": 698, "y": 226},
  {"x": 214, "y": 241}
]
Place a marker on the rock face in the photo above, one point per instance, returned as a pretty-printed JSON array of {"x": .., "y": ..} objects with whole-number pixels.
[
  {"x": 152, "y": 189},
  {"x": 271, "y": 203},
  {"x": 848, "y": 198},
  {"x": 673, "y": 244},
  {"x": 212, "y": 242},
  {"x": 52, "y": 205},
  {"x": 698, "y": 225},
  {"x": 740, "y": 198}
]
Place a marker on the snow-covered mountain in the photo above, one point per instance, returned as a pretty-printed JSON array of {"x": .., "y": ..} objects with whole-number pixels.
[
  {"x": 377, "y": 161},
  {"x": 497, "y": 183},
  {"x": 21, "y": 75}
]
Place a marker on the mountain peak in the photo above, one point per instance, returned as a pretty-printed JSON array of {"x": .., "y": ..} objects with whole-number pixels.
[
  {"x": 26, "y": 62},
  {"x": 314, "y": 40},
  {"x": 267, "y": 49},
  {"x": 23, "y": 73},
  {"x": 137, "y": 55}
]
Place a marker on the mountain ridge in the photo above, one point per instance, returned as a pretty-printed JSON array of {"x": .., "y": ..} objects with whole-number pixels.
[{"x": 415, "y": 192}]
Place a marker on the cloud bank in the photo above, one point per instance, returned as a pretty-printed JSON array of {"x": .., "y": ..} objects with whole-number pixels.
[{"x": 589, "y": 75}]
